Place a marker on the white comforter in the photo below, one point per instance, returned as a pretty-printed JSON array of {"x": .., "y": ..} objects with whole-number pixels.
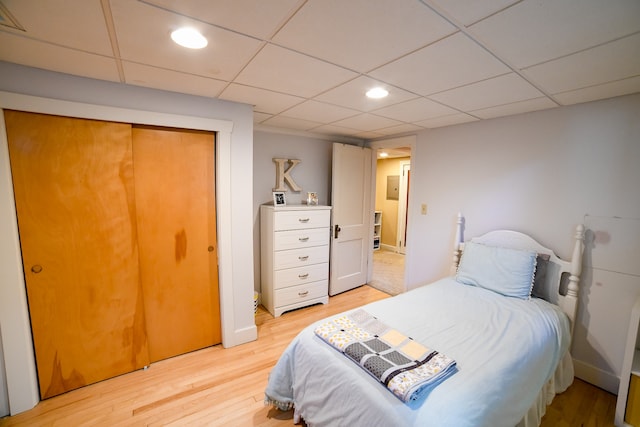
[{"x": 505, "y": 348}]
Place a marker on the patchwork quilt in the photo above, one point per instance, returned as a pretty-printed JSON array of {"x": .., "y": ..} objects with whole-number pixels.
[{"x": 407, "y": 368}]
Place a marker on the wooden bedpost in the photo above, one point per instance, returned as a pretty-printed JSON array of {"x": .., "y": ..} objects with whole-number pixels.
[
  {"x": 457, "y": 248},
  {"x": 571, "y": 299}
]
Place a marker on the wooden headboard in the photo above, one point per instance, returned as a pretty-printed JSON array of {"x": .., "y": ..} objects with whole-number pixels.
[{"x": 562, "y": 278}]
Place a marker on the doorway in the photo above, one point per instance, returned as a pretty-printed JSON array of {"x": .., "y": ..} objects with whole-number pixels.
[{"x": 392, "y": 181}]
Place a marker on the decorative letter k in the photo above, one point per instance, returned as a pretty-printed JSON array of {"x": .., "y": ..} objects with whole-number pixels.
[{"x": 282, "y": 175}]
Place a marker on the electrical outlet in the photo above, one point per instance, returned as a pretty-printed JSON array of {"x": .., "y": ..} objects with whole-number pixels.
[{"x": 423, "y": 209}]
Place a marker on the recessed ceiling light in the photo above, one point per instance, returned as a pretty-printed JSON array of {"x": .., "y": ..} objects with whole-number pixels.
[
  {"x": 189, "y": 37},
  {"x": 384, "y": 154},
  {"x": 377, "y": 93}
]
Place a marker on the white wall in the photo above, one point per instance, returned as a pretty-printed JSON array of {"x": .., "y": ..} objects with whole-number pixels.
[
  {"x": 234, "y": 186},
  {"x": 313, "y": 173},
  {"x": 539, "y": 173}
]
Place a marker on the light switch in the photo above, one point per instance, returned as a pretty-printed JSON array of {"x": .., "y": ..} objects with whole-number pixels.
[{"x": 423, "y": 209}]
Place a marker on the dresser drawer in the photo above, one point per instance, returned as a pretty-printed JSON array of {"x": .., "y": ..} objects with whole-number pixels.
[
  {"x": 300, "y": 293},
  {"x": 294, "y": 239},
  {"x": 299, "y": 275},
  {"x": 295, "y": 220},
  {"x": 300, "y": 257}
]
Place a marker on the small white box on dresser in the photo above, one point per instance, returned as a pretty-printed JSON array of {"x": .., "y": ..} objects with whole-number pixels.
[{"x": 294, "y": 246}]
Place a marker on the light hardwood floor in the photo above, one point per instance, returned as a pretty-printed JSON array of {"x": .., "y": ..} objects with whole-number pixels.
[{"x": 224, "y": 387}]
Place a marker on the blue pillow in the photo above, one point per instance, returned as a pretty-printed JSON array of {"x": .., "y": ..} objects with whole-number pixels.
[{"x": 509, "y": 272}]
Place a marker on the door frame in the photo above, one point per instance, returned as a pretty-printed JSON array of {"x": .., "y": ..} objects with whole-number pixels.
[
  {"x": 403, "y": 141},
  {"x": 405, "y": 166},
  {"x": 22, "y": 385}
]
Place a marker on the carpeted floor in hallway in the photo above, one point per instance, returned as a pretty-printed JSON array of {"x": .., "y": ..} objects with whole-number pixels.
[{"x": 388, "y": 272}]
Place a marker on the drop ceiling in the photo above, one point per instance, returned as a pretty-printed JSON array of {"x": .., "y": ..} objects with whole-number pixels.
[{"x": 305, "y": 64}]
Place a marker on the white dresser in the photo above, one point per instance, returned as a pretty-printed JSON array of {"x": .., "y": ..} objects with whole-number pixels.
[{"x": 294, "y": 242}]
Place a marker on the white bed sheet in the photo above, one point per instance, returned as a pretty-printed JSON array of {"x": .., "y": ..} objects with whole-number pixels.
[{"x": 506, "y": 350}]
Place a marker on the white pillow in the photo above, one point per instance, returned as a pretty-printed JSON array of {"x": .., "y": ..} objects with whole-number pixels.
[{"x": 509, "y": 272}]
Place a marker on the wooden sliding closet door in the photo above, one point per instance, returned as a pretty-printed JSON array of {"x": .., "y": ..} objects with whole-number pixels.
[
  {"x": 73, "y": 184},
  {"x": 175, "y": 199}
]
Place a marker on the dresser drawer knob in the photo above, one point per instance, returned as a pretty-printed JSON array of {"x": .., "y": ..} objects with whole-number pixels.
[
  {"x": 303, "y": 258},
  {"x": 303, "y": 239},
  {"x": 303, "y": 294},
  {"x": 303, "y": 220},
  {"x": 303, "y": 276}
]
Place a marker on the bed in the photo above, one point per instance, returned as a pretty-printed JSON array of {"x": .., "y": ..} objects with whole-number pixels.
[{"x": 502, "y": 322}]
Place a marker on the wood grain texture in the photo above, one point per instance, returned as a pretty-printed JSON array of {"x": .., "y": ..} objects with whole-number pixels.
[
  {"x": 73, "y": 185},
  {"x": 225, "y": 387},
  {"x": 176, "y": 221},
  {"x": 632, "y": 413},
  {"x": 582, "y": 405}
]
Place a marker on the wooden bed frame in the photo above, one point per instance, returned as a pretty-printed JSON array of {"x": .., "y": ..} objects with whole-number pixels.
[{"x": 562, "y": 277}]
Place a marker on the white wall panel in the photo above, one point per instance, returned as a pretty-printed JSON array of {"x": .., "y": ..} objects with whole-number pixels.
[{"x": 541, "y": 173}]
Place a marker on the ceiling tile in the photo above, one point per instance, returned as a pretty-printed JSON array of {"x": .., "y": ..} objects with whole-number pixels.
[
  {"x": 33, "y": 53},
  {"x": 449, "y": 63},
  {"x": 286, "y": 71},
  {"x": 453, "y": 119},
  {"x": 260, "y": 117},
  {"x": 263, "y": 100},
  {"x": 515, "y": 108},
  {"x": 535, "y": 31},
  {"x": 438, "y": 58},
  {"x": 336, "y": 130},
  {"x": 415, "y": 110},
  {"x": 144, "y": 75},
  {"x": 319, "y": 111},
  {"x": 467, "y": 12},
  {"x": 369, "y": 135},
  {"x": 352, "y": 95},
  {"x": 593, "y": 93},
  {"x": 367, "y": 121},
  {"x": 141, "y": 26},
  {"x": 613, "y": 61},
  {"x": 365, "y": 33},
  {"x": 78, "y": 24},
  {"x": 399, "y": 129},
  {"x": 291, "y": 123},
  {"x": 489, "y": 93},
  {"x": 259, "y": 18}
]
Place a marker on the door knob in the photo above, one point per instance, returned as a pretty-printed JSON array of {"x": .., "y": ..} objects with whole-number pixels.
[
  {"x": 36, "y": 269},
  {"x": 336, "y": 230}
]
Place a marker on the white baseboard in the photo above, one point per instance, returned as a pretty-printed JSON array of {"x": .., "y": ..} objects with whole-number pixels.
[
  {"x": 596, "y": 376},
  {"x": 242, "y": 336}
]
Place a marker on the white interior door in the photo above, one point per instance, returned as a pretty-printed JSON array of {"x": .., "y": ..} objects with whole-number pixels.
[
  {"x": 352, "y": 234},
  {"x": 405, "y": 170}
]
